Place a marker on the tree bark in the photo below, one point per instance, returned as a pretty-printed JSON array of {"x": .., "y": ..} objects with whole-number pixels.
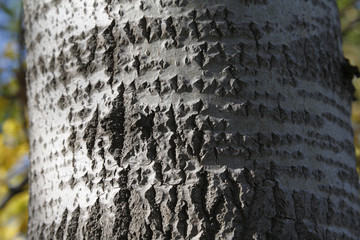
[{"x": 184, "y": 119}]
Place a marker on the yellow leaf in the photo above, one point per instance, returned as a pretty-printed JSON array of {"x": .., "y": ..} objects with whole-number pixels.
[
  {"x": 13, "y": 217},
  {"x": 10, "y": 51},
  {"x": 11, "y": 127}
]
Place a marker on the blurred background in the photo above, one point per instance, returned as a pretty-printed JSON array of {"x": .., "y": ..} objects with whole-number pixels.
[{"x": 14, "y": 148}]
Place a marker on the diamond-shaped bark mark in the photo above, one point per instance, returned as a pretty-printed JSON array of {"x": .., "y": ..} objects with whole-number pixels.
[
  {"x": 170, "y": 28},
  {"x": 101, "y": 148},
  {"x": 132, "y": 86},
  {"x": 72, "y": 139},
  {"x": 145, "y": 29},
  {"x": 282, "y": 114},
  {"x": 221, "y": 125},
  {"x": 108, "y": 56},
  {"x": 186, "y": 60},
  {"x": 199, "y": 58},
  {"x": 210, "y": 87},
  {"x": 182, "y": 87},
  {"x": 129, "y": 33},
  {"x": 74, "y": 50},
  {"x": 63, "y": 102},
  {"x": 262, "y": 110},
  {"x": 52, "y": 63},
  {"x": 216, "y": 29},
  {"x": 190, "y": 121},
  {"x": 164, "y": 64},
  {"x": 136, "y": 64},
  {"x": 229, "y": 71},
  {"x": 145, "y": 124},
  {"x": 273, "y": 62},
  {"x": 204, "y": 46},
  {"x": 255, "y": 31},
  {"x": 237, "y": 85},
  {"x": 197, "y": 142},
  {"x": 171, "y": 122},
  {"x": 220, "y": 92},
  {"x": 173, "y": 82},
  {"x": 248, "y": 106},
  {"x": 157, "y": 85},
  {"x": 262, "y": 62},
  {"x": 195, "y": 33},
  {"x": 198, "y": 106},
  {"x": 199, "y": 84},
  {"x": 91, "y": 44},
  {"x": 209, "y": 15},
  {"x": 207, "y": 124},
  {"x": 156, "y": 31},
  {"x": 230, "y": 25},
  {"x": 154, "y": 208},
  {"x": 172, "y": 149}
]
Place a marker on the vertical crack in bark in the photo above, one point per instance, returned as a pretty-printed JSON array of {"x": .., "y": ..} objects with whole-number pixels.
[
  {"x": 232, "y": 194},
  {"x": 194, "y": 26},
  {"x": 109, "y": 55},
  {"x": 173, "y": 126},
  {"x": 256, "y": 33},
  {"x": 154, "y": 218},
  {"x": 61, "y": 229},
  {"x": 198, "y": 199},
  {"x": 113, "y": 125},
  {"x": 249, "y": 227},
  {"x": 73, "y": 224},
  {"x": 93, "y": 227},
  {"x": 170, "y": 28},
  {"x": 197, "y": 142},
  {"x": 182, "y": 224},
  {"x": 101, "y": 152},
  {"x": 129, "y": 33},
  {"x": 136, "y": 64},
  {"x": 122, "y": 212},
  {"x": 173, "y": 199},
  {"x": 72, "y": 141},
  {"x": 91, "y": 47},
  {"x": 42, "y": 230},
  {"x": 146, "y": 31},
  {"x": 215, "y": 210},
  {"x": 90, "y": 133},
  {"x": 172, "y": 149},
  {"x": 51, "y": 230},
  {"x": 86, "y": 67}
]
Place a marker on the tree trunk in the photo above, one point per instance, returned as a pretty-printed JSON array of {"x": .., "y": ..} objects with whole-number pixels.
[{"x": 185, "y": 119}]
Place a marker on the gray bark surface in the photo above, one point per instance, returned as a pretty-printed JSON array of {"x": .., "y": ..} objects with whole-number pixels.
[{"x": 184, "y": 119}]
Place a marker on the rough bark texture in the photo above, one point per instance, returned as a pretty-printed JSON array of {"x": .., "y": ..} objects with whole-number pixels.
[{"x": 186, "y": 119}]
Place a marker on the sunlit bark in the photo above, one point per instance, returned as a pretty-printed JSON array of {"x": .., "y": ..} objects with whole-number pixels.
[{"x": 184, "y": 119}]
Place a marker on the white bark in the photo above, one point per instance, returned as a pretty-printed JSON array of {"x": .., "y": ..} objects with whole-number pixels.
[{"x": 189, "y": 119}]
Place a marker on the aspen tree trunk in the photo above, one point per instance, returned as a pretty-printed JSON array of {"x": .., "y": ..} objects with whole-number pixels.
[{"x": 186, "y": 119}]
